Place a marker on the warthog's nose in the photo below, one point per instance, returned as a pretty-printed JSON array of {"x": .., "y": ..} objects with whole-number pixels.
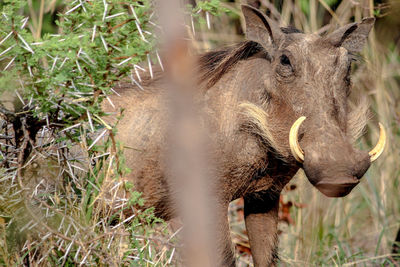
[{"x": 336, "y": 175}]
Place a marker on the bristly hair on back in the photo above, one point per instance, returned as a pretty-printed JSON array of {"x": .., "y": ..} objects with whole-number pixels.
[{"x": 214, "y": 64}]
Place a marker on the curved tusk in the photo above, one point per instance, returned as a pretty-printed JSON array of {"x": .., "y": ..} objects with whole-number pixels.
[
  {"x": 380, "y": 146},
  {"x": 295, "y": 148}
]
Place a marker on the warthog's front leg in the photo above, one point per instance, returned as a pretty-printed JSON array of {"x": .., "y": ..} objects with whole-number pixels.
[{"x": 261, "y": 216}]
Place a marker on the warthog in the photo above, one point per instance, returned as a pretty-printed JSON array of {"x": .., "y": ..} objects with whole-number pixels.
[{"x": 277, "y": 102}]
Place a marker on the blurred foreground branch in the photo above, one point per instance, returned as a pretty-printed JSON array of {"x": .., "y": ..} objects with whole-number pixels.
[{"x": 191, "y": 173}]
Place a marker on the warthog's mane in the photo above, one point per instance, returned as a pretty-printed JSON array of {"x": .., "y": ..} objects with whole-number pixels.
[{"x": 214, "y": 64}]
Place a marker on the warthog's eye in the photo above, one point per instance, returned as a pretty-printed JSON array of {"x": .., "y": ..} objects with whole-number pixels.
[
  {"x": 285, "y": 60},
  {"x": 285, "y": 68}
]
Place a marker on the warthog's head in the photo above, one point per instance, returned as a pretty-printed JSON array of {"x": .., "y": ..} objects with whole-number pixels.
[{"x": 307, "y": 87}]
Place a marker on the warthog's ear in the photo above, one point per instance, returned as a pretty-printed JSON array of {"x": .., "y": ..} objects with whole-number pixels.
[
  {"x": 352, "y": 36},
  {"x": 261, "y": 29}
]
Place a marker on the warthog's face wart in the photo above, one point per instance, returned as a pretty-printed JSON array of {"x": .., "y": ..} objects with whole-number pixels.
[{"x": 310, "y": 77}]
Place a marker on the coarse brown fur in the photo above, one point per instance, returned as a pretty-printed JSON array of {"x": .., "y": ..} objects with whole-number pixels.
[{"x": 252, "y": 93}]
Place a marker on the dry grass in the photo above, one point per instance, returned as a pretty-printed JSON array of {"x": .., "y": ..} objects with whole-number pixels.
[{"x": 63, "y": 207}]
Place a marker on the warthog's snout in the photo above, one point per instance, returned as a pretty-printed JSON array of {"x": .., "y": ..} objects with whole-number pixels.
[
  {"x": 332, "y": 165},
  {"x": 337, "y": 174}
]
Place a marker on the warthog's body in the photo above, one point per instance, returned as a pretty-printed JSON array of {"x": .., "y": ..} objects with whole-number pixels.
[{"x": 253, "y": 92}]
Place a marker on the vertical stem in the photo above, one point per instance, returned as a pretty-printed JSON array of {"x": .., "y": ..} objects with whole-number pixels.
[
  {"x": 33, "y": 14},
  {"x": 313, "y": 15},
  {"x": 287, "y": 8},
  {"x": 39, "y": 28}
]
